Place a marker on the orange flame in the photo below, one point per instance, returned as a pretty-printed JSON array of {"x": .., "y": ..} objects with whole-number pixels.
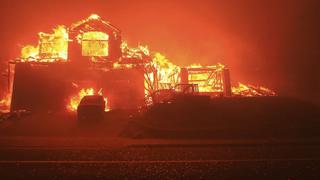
[
  {"x": 209, "y": 79},
  {"x": 51, "y": 47},
  {"x": 250, "y": 90},
  {"x": 94, "y": 43},
  {"x": 5, "y": 103},
  {"x": 75, "y": 100}
]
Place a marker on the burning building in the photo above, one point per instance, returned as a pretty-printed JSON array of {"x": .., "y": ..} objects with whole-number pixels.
[{"x": 90, "y": 57}]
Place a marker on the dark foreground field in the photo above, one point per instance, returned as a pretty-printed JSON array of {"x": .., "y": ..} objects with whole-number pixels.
[
  {"x": 257, "y": 141},
  {"x": 90, "y": 158}
]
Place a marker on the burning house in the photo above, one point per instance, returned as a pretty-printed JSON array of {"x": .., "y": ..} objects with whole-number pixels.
[{"x": 90, "y": 57}]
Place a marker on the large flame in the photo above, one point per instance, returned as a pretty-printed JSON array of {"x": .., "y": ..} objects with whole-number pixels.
[
  {"x": 94, "y": 43},
  {"x": 75, "y": 100},
  {"x": 208, "y": 78},
  {"x": 161, "y": 73},
  {"x": 51, "y": 47},
  {"x": 29, "y": 53},
  {"x": 167, "y": 72}
]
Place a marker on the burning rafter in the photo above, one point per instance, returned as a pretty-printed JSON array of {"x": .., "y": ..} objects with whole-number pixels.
[
  {"x": 209, "y": 78},
  {"x": 94, "y": 23},
  {"x": 250, "y": 90}
]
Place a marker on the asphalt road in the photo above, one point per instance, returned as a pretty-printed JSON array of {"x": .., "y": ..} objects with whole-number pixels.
[{"x": 100, "y": 158}]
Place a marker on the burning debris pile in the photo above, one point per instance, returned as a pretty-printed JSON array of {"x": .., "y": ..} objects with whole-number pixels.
[
  {"x": 250, "y": 90},
  {"x": 92, "y": 50}
]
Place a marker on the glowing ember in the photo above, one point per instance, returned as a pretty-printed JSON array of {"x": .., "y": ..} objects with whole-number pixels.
[
  {"x": 250, "y": 90},
  {"x": 5, "y": 103},
  {"x": 94, "y": 16},
  {"x": 75, "y": 100}
]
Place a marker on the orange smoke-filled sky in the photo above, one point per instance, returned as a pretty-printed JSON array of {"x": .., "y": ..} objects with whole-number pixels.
[{"x": 269, "y": 42}]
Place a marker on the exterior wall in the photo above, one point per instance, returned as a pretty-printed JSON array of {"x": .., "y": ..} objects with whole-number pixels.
[{"x": 50, "y": 86}]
